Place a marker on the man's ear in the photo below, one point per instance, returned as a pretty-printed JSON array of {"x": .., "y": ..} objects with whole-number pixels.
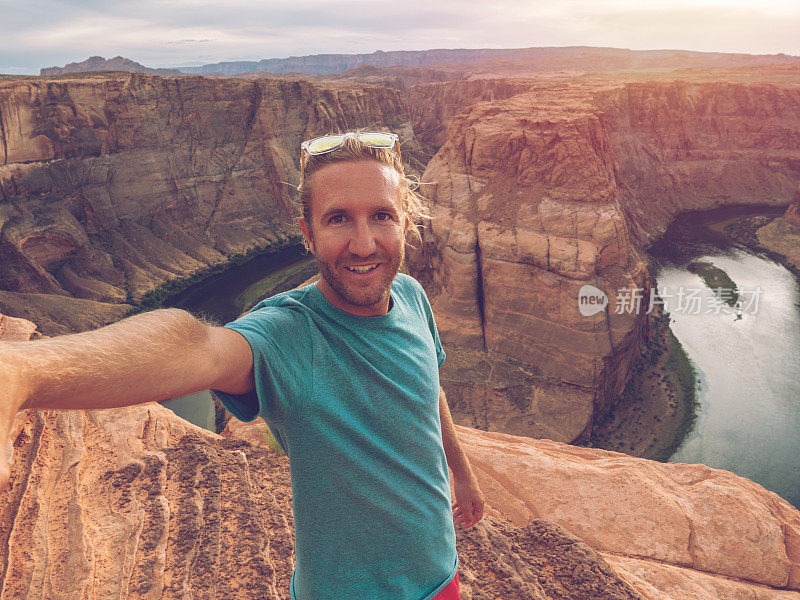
[{"x": 306, "y": 229}]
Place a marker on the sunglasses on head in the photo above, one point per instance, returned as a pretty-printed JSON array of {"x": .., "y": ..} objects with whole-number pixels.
[{"x": 329, "y": 143}]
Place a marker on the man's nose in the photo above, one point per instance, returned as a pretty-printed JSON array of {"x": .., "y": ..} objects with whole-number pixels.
[{"x": 362, "y": 240}]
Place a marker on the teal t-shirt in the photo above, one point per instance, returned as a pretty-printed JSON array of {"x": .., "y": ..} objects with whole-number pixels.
[{"x": 354, "y": 403}]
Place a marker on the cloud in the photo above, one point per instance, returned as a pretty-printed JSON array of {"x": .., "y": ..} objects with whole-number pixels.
[
  {"x": 192, "y": 41},
  {"x": 173, "y": 32}
]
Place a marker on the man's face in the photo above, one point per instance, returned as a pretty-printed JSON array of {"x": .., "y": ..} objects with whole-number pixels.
[{"x": 357, "y": 234}]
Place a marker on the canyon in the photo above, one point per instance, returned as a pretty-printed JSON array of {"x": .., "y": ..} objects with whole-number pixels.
[
  {"x": 542, "y": 192},
  {"x": 115, "y": 185},
  {"x": 112, "y": 186}
]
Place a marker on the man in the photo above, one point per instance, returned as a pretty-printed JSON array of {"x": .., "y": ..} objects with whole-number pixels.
[{"x": 345, "y": 371}]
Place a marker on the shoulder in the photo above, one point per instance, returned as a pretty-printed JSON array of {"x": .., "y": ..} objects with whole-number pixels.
[
  {"x": 412, "y": 292},
  {"x": 282, "y": 310},
  {"x": 295, "y": 299},
  {"x": 412, "y": 289},
  {"x": 408, "y": 285}
]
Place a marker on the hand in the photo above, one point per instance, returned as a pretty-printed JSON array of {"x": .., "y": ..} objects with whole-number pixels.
[{"x": 468, "y": 506}]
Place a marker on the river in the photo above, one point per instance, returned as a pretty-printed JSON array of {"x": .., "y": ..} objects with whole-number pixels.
[
  {"x": 225, "y": 296},
  {"x": 747, "y": 361}
]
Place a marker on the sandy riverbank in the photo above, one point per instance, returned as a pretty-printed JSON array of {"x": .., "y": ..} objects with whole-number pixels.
[{"x": 657, "y": 407}]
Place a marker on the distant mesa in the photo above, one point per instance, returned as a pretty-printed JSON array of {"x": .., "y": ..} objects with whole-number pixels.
[
  {"x": 544, "y": 59},
  {"x": 98, "y": 63},
  {"x": 584, "y": 58}
]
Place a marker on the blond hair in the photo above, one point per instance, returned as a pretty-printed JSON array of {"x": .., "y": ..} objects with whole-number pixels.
[{"x": 412, "y": 204}]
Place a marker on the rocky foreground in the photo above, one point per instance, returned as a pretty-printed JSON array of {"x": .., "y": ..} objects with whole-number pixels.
[{"x": 137, "y": 503}]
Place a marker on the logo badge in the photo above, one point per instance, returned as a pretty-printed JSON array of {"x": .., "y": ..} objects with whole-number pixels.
[{"x": 591, "y": 300}]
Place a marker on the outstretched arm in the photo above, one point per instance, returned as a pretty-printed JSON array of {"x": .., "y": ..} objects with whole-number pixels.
[
  {"x": 468, "y": 506},
  {"x": 150, "y": 356}
]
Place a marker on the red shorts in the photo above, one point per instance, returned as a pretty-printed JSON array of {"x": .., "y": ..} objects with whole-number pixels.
[{"x": 450, "y": 592}]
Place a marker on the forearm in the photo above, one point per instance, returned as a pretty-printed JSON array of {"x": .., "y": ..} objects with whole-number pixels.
[
  {"x": 151, "y": 356},
  {"x": 456, "y": 459}
]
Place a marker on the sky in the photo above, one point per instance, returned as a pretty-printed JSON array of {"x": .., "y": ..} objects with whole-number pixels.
[{"x": 173, "y": 33}]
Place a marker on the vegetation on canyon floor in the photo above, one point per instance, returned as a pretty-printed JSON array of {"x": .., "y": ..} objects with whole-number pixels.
[
  {"x": 717, "y": 281},
  {"x": 280, "y": 280},
  {"x": 156, "y": 297},
  {"x": 657, "y": 409}
]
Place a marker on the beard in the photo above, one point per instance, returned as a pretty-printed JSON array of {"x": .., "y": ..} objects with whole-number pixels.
[{"x": 368, "y": 293}]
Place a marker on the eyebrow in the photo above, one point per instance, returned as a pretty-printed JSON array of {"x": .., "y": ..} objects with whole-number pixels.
[{"x": 384, "y": 208}]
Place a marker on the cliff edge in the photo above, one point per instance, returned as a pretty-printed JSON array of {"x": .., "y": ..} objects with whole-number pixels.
[{"x": 138, "y": 503}]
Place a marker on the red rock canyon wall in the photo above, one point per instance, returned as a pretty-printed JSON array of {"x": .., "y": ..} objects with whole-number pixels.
[
  {"x": 559, "y": 186},
  {"x": 112, "y": 185}
]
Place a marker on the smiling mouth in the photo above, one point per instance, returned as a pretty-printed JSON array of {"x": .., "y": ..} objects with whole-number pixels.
[{"x": 361, "y": 269}]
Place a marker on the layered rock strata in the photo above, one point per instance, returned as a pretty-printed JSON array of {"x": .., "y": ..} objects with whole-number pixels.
[
  {"x": 559, "y": 187},
  {"x": 112, "y": 186},
  {"x": 433, "y": 106},
  {"x": 524, "y": 207},
  {"x": 782, "y": 236},
  {"x": 671, "y": 530},
  {"x": 682, "y": 146},
  {"x": 792, "y": 214}
]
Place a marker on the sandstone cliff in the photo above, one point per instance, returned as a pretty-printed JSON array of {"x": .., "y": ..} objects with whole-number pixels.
[
  {"x": 433, "y": 106},
  {"x": 671, "y": 530},
  {"x": 682, "y": 146},
  {"x": 792, "y": 214},
  {"x": 525, "y": 210},
  {"x": 782, "y": 236},
  {"x": 541, "y": 192},
  {"x": 112, "y": 185}
]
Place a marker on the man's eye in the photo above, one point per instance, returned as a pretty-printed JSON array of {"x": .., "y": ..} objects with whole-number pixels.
[
  {"x": 336, "y": 219},
  {"x": 383, "y": 216}
]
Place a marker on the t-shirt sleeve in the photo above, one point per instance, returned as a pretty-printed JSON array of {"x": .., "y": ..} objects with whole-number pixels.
[
  {"x": 426, "y": 307},
  {"x": 282, "y": 357},
  {"x": 440, "y": 354}
]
